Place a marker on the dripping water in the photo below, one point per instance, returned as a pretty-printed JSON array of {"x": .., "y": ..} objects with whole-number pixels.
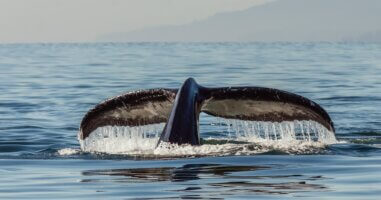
[
  {"x": 309, "y": 131},
  {"x": 242, "y": 135}
]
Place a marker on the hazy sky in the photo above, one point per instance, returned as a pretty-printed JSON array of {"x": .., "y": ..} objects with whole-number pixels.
[
  {"x": 283, "y": 20},
  {"x": 84, "y": 20}
]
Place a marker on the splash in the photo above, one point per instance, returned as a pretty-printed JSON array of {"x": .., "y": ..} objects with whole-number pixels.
[
  {"x": 123, "y": 139},
  {"x": 239, "y": 138}
]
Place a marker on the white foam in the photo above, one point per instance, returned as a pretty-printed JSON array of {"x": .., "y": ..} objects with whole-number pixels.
[
  {"x": 68, "y": 151},
  {"x": 246, "y": 138}
]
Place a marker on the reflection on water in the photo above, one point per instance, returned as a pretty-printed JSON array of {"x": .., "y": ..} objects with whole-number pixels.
[
  {"x": 226, "y": 179},
  {"x": 184, "y": 173},
  {"x": 270, "y": 188}
]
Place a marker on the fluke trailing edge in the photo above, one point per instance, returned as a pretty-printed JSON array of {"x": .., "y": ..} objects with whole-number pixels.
[{"x": 180, "y": 109}]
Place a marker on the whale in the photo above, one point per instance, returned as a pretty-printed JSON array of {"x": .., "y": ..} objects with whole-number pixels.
[{"x": 180, "y": 109}]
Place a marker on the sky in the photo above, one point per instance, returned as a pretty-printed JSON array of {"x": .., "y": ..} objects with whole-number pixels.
[
  {"x": 282, "y": 20},
  {"x": 85, "y": 20}
]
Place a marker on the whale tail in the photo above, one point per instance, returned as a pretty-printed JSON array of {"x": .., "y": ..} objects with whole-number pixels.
[
  {"x": 136, "y": 108},
  {"x": 263, "y": 104},
  {"x": 180, "y": 109}
]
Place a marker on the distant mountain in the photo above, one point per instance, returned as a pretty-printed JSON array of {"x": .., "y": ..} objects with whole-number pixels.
[{"x": 282, "y": 20}]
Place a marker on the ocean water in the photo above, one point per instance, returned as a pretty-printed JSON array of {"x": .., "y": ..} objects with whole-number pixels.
[{"x": 46, "y": 89}]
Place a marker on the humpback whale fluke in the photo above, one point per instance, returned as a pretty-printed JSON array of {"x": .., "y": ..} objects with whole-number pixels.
[{"x": 180, "y": 109}]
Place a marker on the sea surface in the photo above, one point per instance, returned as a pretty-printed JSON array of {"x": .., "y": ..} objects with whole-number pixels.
[{"x": 46, "y": 89}]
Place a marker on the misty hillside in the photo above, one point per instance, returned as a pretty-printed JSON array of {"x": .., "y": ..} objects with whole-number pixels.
[{"x": 282, "y": 20}]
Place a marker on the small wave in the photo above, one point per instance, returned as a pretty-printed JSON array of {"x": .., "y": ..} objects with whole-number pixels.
[
  {"x": 68, "y": 151},
  {"x": 367, "y": 133},
  {"x": 370, "y": 140}
]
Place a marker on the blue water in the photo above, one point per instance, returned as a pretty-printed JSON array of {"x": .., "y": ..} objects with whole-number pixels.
[{"x": 45, "y": 90}]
